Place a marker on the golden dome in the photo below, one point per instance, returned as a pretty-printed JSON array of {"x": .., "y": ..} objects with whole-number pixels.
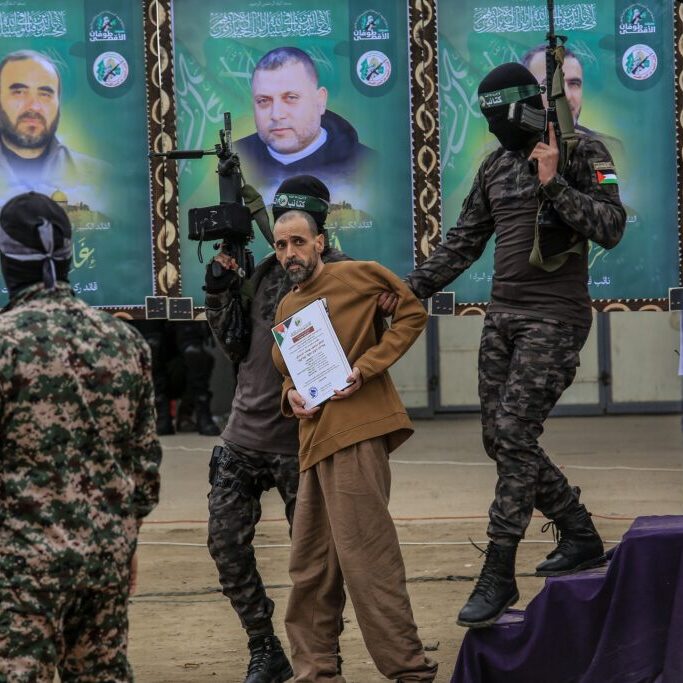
[{"x": 59, "y": 197}]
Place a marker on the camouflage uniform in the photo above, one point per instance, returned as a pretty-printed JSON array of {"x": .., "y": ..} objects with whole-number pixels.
[
  {"x": 537, "y": 321},
  {"x": 524, "y": 366},
  {"x": 239, "y": 479},
  {"x": 261, "y": 446},
  {"x": 80, "y": 470}
]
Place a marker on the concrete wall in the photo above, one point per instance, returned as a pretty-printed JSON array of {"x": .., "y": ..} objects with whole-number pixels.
[
  {"x": 642, "y": 355},
  {"x": 410, "y": 375},
  {"x": 459, "y": 345},
  {"x": 643, "y": 363}
]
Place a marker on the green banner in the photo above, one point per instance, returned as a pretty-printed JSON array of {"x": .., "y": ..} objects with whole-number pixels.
[
  {"x": 330, "y": 98},
  {"x": 73, "y": 126},
  {"x": 619, "y": 79}
]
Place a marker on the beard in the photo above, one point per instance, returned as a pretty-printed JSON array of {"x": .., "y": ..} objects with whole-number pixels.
[
  {"x": 296, "y": 141},
  {"x": 303, "y": 273},
  {"x": 11, "y": 132}
]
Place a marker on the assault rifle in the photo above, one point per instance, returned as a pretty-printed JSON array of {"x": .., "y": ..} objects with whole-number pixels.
[
  {"x": 554, "y": 241},
  {"x": 559, "y": 113},
  {"x": 230, "y": 221}
]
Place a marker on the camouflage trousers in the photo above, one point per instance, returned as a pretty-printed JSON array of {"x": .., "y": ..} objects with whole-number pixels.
[
  {"x": 524, "y": 366},
  {"x": 234, "y": 511},
  {"x": 82, "y": 634}
]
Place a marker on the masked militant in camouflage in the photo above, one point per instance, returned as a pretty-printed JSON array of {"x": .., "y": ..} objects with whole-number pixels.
[{"x": 537, "y": 321}]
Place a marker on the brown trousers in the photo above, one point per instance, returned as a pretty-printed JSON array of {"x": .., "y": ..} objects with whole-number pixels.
[{"x": 342, "y": 531}]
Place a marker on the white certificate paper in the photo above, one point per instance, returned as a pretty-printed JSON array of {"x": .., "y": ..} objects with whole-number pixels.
[{"x": 312, "y": 353}]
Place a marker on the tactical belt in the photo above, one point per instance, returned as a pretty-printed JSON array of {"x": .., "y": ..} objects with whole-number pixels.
[{"x": 226, "y": 473}]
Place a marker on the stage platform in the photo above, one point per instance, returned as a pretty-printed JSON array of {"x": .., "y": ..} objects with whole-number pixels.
[{"x": 622, "y": 623}]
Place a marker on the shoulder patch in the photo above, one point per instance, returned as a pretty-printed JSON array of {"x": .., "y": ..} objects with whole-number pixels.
[
  {"x": 603, "y": 166},
  {"x": 604, "y": 172}
]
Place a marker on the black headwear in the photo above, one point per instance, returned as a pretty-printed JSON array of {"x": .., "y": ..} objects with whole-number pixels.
[
  {"x": 303, "y": 193},
  {"x": 502, "y": 87},
  {"x": 35, "y": 242}
]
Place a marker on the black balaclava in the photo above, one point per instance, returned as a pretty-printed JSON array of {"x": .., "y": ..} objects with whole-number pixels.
[
  {"x": 303, "y": 193},
  {"x": 35, "y": 242},
  {"x": 509, "y": 83}
]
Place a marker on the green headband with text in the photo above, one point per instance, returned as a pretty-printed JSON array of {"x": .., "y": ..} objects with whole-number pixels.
[
  {"x": 300, "y": 202},
  {"x": 497, "y": 98}
]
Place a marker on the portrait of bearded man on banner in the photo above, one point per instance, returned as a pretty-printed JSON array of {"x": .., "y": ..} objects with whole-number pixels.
[
  {"x": 295, "y": 132},
  {"x": 535, "y": 60},
  {"x": 31, "y": 155}
]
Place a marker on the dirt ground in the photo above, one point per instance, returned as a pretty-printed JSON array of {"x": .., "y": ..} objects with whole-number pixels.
[{"x": 183, "y": 629}]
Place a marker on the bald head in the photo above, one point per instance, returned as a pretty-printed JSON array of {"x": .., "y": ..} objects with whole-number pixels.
[
  {"x": 293, "y": 215},
  {"x": 298, "y": 246}
]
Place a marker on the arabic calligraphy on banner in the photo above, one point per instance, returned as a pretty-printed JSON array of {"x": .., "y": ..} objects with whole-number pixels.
[
  {"x": 279, "y": 24},
  {"x": 32, "y": 23},
  {"x": 522, "y": 18}
]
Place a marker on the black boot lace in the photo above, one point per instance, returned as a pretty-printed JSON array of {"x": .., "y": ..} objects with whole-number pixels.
[
  {"x": 260, "y": 657},
  {"x": 553, "y": 528},
  {"x": 565, "y": 535},
  {"x": 563, "y": 541},
  {"x": 487, "y": 583},
  {"x": 566, "y": 539}
]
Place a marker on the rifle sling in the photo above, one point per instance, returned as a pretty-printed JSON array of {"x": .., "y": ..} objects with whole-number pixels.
[{"x": 254, "y": 202}]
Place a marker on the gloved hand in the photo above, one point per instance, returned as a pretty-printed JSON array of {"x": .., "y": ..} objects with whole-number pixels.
[{"x": 220, "y": 274}]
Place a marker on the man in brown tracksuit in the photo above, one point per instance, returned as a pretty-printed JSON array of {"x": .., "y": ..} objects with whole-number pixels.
[{"x": 342, "y": 530}]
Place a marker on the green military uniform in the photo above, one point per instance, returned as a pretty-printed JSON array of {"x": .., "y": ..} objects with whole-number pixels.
[{"x": 80, "y": 470}]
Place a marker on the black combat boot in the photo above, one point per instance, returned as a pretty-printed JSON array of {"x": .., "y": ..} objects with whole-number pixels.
[
  {"x": 202, "y": 412},
  {"x": 579, "y": 547},
  {"x": 164, "y": 420},
  {"x": 268, "y": 664},
  {"x": 496, "y": 589}
]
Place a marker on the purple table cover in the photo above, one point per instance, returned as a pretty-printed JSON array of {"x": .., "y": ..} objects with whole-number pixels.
[{"x": 620, "y": 624}]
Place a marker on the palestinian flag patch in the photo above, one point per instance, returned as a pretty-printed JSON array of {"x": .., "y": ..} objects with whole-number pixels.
[
  {"x": 605, "y": 173},
  {"x": 607, "y": 178}
]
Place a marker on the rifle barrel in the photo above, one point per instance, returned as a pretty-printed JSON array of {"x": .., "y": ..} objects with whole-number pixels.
[
  {"x": 550, "y": 63},
  {"x": 182, "y": 153}
]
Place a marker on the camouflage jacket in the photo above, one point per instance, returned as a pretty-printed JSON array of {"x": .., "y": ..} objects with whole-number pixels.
[
  {"x": 79, "y": 454},
  {"x": 504, "y": 200}
]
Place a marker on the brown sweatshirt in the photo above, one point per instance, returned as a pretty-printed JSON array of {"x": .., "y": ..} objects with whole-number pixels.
[{"x": 351, "y": 289}]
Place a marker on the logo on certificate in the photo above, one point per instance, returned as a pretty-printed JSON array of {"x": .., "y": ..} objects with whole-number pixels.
[
  {"x": 110, "y": 69},
  {"x": 371, "y": 25},
  {"x": 313, "y": 392},
  {"x": 106, "y": 26},
  {"x": 373, "y": 68},
  {"x": 639, "y": 62}
]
